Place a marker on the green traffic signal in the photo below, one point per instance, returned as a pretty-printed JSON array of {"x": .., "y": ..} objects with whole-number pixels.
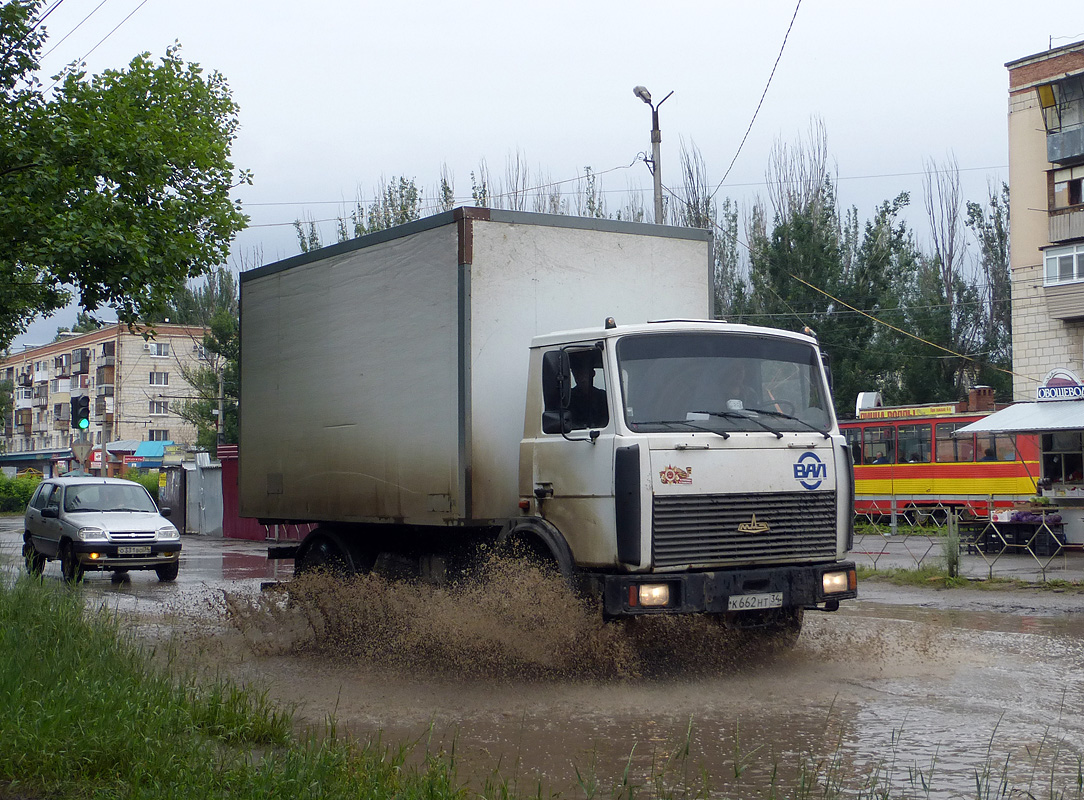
[{"x": 81, "y": 412}]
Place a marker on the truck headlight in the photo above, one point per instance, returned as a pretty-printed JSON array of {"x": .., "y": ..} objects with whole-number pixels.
[
  {"x": 168, "y": 533},
  {"x": 654, "y": 595},
  {"x": 92, "y": 533},
  {"x": 836, "y": 582}
]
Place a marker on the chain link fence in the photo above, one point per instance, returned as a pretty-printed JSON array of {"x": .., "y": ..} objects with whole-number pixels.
[{"x": 1027, "y": 542}]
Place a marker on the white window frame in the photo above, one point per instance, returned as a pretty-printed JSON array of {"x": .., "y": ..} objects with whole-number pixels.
[
  {"x": 159, "y": 407},
  {"x": 1051, "y": 264},
  {"x": 163, "y": 375},
  {"x": 157, "y": 435}
]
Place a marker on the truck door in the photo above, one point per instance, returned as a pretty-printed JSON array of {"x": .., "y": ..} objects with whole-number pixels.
[{"x": 573, "y": 456}]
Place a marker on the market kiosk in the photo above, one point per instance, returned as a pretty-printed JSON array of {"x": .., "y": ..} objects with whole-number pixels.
[{"x": 1057, "y": 416}]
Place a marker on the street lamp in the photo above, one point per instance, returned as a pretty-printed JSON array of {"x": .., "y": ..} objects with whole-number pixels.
[{"x": 656, "y": 142}]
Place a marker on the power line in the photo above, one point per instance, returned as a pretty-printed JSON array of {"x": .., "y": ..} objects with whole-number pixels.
[
  {"x": 100, "y": 41},
  {"x": 32, "y": 28},
  {"x": 73, "y": 30},
  {"x": 761, "y": 102}
]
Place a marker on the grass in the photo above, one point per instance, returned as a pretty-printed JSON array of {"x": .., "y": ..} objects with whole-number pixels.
[{"x": 85, "y": 715}]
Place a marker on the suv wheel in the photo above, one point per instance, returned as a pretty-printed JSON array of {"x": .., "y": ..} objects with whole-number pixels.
[
  {"x": 70, "y": 567},
  {"x": 35, "y": 561},
  {"x": 168, "y": 572}
]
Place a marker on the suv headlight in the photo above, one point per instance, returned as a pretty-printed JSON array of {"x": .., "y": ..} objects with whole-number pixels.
[
  {"x": 93, "y": 533},
  {"x": 168, "y": 533}
]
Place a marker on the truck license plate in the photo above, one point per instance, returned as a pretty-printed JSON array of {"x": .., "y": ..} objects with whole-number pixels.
[
  {"x": 749, "y": 602},
  {"x": 141, "y": 550}
]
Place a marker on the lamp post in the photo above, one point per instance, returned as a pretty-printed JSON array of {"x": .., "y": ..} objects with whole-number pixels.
[{"x": 656, "y": 148}]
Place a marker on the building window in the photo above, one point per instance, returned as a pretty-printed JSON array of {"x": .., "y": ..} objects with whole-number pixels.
[
  {"x": 158, "y": 348},
  {"x": 1068, "y": 187},
  {"x": 159, "y": 407},
  {"x": 157, "y": 436},
  {"x": 1063, "y": 264},
  {"x": 159, "y": 379}
]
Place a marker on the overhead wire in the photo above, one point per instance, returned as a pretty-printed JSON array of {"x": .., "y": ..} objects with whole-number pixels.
[
  {"x": 73, "y": 30},
  {"x": 99, "y": 44},
  {"x": 32, "y": 28},
  {"x": 761, "y": 102}
]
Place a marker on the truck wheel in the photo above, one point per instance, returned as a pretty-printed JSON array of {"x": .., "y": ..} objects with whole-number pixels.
[
  {"x": 35, "y": 561},
  {"x": 785, "y": 632},
  {"x": 168, "y": 572},
  {"x": 326, "y": 551},
  {"x": 70, "y": 567}
]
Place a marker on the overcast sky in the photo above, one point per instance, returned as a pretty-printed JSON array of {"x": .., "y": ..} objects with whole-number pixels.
[{"x": 336, "y": 95}]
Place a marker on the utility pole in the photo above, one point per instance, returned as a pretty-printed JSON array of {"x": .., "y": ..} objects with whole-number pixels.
[{"x": 656, "y": 149}]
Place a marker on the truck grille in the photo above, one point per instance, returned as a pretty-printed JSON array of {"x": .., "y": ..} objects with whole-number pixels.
[{"x": 703, "y": 529}]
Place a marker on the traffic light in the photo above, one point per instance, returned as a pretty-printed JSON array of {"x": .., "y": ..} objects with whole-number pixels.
[{"x": 81, "y": 412}]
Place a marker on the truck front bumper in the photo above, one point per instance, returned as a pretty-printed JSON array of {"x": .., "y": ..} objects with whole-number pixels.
[{"x": 812, "y": 586}]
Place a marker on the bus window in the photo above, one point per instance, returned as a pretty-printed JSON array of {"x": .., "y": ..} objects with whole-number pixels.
[
  {"x": 914, "y": 443},
  {"x": 997, "y": 447},
  {"x": 879, "y": 446},
  {"x": 952, "y": 449},
  {"x": 854, "y": 443}
]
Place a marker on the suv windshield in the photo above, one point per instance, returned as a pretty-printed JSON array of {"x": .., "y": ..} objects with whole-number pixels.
[
  {"x": 722, "y": 382},
  {"x": 107, "y": 497}
]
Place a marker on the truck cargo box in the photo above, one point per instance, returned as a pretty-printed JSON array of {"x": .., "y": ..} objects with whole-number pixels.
[{"x": 383, "y": 379}]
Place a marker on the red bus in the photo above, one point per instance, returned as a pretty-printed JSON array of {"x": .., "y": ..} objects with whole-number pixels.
[{"x": 908, "y": 456}]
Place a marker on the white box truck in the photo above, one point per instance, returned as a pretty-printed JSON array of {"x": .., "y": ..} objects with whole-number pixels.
[{"x": 485, "y": 375}]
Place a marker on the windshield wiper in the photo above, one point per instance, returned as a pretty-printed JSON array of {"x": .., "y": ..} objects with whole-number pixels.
[
  {"x": 687, "y": 424},
  {"x": 780, "y": 414},
  {"x": 739, "y": 415}
]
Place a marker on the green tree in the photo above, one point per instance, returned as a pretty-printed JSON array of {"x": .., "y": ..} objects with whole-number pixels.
[
  {"x": 216, "y": 381},
  {"x": 84, "y": 323},
  {"x": 213, "y": 305},
  {"x": 990, "y": 226},
  {"x": 117, "y": 185}
]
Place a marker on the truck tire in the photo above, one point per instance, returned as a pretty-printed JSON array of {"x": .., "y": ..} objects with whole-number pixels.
[
  {"x": 541, "y": 544},
  {"x": 327, "y": 551}
]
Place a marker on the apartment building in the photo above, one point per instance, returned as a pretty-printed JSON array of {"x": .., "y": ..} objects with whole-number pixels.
[
  {"x": 133, "y": 387},
  {"x": 1046, "y": 208}
]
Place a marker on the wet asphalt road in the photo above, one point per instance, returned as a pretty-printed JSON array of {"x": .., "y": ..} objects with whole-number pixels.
[{"x": 208, "y": 567}]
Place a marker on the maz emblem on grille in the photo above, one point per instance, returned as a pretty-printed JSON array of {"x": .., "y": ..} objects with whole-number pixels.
[{"x": 752, "y": 526}]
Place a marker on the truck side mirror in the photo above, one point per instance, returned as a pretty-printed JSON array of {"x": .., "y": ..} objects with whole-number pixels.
[
  {"x": 827, "y": 361},
  {"x": 556, "y": 380}
]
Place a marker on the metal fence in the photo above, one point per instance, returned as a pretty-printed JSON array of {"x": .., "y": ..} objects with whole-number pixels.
[{"x": 1028, "y": 546}]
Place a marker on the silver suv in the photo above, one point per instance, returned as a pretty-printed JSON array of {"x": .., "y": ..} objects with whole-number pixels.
[{"x": 98, "y": 524}]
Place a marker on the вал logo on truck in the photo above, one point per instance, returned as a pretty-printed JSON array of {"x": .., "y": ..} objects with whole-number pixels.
[
  {"x": 674, "y": 474},
  {"x": 810, "y": 471}
]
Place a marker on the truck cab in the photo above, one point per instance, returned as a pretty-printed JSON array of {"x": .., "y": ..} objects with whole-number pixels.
[{"x": 689, "y": 466}]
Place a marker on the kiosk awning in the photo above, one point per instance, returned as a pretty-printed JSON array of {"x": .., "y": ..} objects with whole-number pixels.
[{"x": 1031, "y": 418}]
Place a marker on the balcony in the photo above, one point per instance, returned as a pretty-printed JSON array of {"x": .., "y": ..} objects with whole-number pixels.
[
  {"x": 104, "y": 375},
  {"x": 1067, "y": 224},
  {"x": 61, "y": 424},
  {"x": 104, "y": 390},
  {"x": 1065, "y": 145},
  {"x": 24, "y": 379}
]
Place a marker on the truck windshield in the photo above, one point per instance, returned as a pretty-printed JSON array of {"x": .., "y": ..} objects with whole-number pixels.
[{"x": 723, "y": 382}]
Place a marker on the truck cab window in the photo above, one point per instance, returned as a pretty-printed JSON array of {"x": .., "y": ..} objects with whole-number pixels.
[
  {"x": 587, "y": 406},
  {"x": 574, "y": 394}
]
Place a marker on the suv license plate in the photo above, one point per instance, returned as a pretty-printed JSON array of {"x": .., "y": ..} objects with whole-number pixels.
[
  {"x": 749, "y": 602},
  {"x": 143, "y": 550}
]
